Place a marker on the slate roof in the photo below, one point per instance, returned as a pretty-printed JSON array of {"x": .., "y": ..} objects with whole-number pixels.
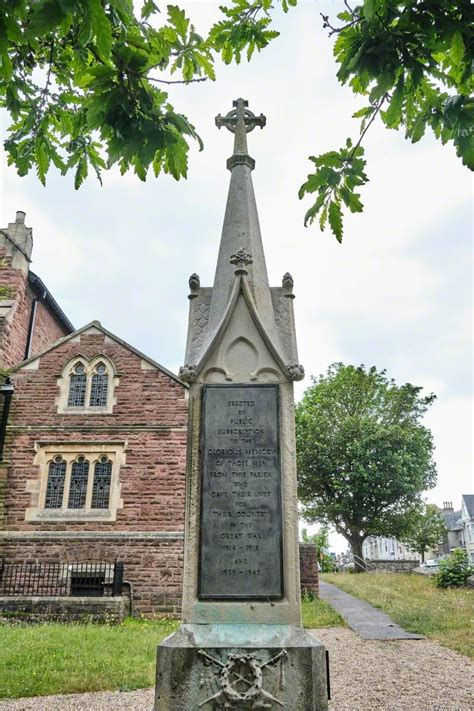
[
  {"x": 452, "y": 520},
  {"x": 469, "y": 502}
]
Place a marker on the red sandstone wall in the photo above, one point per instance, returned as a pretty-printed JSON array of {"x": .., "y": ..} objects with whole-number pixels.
[
  {"x": 47, "y": 329},
  {"x": 150, "y": 415},
  {"x": 13, "y": 333},
  {"x": 309, "y": 568},
  {"x": 153, "y": 567}
]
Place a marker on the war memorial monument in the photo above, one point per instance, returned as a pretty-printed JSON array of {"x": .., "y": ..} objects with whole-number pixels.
[{"x": 241, "y": 644}]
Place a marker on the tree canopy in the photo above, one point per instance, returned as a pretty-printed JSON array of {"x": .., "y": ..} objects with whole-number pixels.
[
  {"x": 426, "y": 530},
  {"x": 84, "y": 83},
  {"x": 363, "y": 455}
]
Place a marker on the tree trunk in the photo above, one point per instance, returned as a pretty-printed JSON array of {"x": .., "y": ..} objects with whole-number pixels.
[
  {"x": 423, "y": 555},
  {"x": 359, "y": 563}
]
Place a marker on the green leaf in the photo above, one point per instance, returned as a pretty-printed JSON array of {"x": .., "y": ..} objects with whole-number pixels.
[
  {"x": 418, "y": 129},
  {"x": 101, "y": 28},
  {"x": 81, "y": 173},
  {"x": 335, "y": 220},
  {"x": 178, "y": 19},
  {"x": 392, "y": 116},
  {"x": 457, "y": 47}
]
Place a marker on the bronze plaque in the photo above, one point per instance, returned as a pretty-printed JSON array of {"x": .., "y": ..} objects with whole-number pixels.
[{"x": 241, "y": 513}]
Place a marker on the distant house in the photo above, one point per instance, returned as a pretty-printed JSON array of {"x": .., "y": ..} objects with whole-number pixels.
[
  {"x": 453, "y": 538},
  {"x": 383, "y": 548},
  {"x": 467, "y": 522}
]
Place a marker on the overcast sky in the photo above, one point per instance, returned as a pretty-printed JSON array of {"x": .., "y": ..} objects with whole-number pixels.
[{"x": 395, "y": 294}]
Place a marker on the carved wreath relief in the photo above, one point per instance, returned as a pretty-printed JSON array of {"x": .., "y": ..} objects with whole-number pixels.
[{"x": 238, "y": 682}]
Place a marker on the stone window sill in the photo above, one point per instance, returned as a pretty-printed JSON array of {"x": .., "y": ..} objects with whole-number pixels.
[{"x": 72, "y": 515}]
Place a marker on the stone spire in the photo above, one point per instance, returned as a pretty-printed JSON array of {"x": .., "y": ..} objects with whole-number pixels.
[
  {"x": 241, "y": 229},
  {"x": 241, "y": 270}
]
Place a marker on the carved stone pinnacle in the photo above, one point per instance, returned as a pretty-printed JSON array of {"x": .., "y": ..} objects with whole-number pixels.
[
  {"x": 240, "y": 112},
  {"x": 240, "y": 121},
  {"x": 194, "y": 283},
  {"x": 187, "y": 373},
  {"x": 241, "y": 259},
  {"x": 287, "y": 282},
  {"x": 295, "y": 371}
]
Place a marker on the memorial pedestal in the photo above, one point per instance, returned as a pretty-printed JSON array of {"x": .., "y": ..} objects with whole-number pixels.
[
  {"x": 244, "y": 667},
  {"x": 241, "y": 644}
]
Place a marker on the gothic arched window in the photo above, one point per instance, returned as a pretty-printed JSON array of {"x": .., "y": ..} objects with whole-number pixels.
[
  {"x": 55, "y": 485},
  {"x": 77, "y": 386},
  {"x": 87, "y": 385},
  {"x": 99, "y": 386},
  {"x": 78, "y": 484},
  {"x": 101, "y": 484}
]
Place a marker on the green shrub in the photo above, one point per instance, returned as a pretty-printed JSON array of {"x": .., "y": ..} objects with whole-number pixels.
[{"x": 454, "y": 570}]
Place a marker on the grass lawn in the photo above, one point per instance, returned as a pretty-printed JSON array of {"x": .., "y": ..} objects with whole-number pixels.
[
  {"x": 46, "y": 659},
  {"x": 415, "y": 603}
]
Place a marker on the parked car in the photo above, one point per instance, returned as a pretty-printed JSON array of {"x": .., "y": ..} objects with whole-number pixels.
[{"x": 432, "y": 563}]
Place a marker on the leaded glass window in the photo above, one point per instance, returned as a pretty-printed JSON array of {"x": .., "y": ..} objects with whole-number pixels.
[
  {"x": 99, "y": 387},
  {"x": 55, "y": 485},
  {"x": 101, "y": 484},
  {"x": 77, "y": 386},
  {"x": 78, "y": 485}
]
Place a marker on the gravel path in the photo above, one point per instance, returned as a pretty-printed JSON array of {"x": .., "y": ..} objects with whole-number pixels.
[{"x": 366, "y": 675}]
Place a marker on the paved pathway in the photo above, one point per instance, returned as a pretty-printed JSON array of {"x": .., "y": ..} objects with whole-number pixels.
[{"x": 367, "y": 621}]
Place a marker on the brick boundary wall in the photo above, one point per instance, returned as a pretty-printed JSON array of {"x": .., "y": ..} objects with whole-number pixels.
[{"x": 309, "y": 568}]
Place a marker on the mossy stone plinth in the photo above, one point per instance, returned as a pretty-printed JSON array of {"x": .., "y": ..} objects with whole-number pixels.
[{"x": 244, "y": 667}]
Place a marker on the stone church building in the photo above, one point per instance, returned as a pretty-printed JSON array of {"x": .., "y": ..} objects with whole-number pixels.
[{"x": 93, "y": 465}]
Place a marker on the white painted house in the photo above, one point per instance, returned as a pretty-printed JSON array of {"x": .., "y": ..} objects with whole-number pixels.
[
  {"x": 467, "y": 519},
  {"x": 382, "y": 548}
]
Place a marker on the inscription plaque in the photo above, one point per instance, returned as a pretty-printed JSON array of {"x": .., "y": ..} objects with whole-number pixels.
[{"x": 241, "y": 514}]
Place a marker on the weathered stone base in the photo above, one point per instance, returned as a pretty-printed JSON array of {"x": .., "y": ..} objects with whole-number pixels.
[
  {"x": 244, "y": 667},
  {"x": 64, "y": 609}
]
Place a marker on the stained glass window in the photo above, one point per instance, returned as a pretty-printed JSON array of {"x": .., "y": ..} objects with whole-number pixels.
[
  {"x": 101, "y": 484},
  {"x": 99, "y": 387},
  {"x": 55, "y": 485},
  {"x": 78, "y": 485},
  {"x": 77, "y": 387}
]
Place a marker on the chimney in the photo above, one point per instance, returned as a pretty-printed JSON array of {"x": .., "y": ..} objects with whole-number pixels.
[
  {"x": 18, "y": 240},
  {"x": 448, "y": 506}
]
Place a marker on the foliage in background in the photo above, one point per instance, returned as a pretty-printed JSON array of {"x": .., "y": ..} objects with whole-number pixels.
[
  {"x": 363, "y": 456},
  {"x": 411, "y": 61},
  {"x": 96, "y": 102},
  {"x": 426, "y": 530},
  {"x": 83, "y": 83},
  {"x": 412, "y": 601},
  {"x": 454, "y": 570},
  {"x": 321, "y": 541}
]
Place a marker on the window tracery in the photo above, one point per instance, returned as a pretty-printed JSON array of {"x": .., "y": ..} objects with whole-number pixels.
[
  {"x": 76, "y": 481},
  {"x": 101, "y": 484},
  {"x": 55, "y": 483},
  {"x": 87, "y": 386}
]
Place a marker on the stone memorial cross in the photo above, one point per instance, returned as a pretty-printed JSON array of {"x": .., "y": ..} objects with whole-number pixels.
[{"x": 241, "y": 644}]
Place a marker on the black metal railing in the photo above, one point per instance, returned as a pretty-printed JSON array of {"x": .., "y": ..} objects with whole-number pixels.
[{"x": 61, "y": 579}]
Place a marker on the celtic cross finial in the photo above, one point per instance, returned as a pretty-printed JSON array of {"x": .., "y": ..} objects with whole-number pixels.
[{"x": 240, "y": 121}]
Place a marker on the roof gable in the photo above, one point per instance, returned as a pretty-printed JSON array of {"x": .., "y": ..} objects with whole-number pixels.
[{"x": 96, "y": 327}]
